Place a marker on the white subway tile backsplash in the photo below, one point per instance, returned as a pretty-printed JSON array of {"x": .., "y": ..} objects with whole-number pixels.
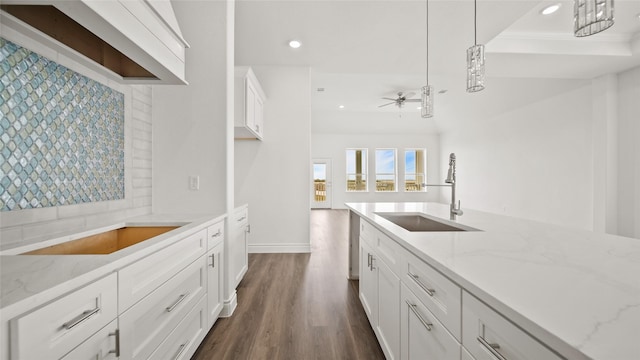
[
  {"x": 82, "y": 209},
  {"x": 49, "y": 229},
  {"x": 142, "y": 183},
  {"x": 26, "y": 216}
]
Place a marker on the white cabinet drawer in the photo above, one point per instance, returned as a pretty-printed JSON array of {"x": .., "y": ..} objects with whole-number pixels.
[
  {"x": 54, "y": 329},
  {"x": 140, "y": 278},
  {"x": 147, "y": 323},
  {"x": 102, "y": 345},
  {"x": 186, "y": 338},
  {"x": 240, "y": 217},
  {"x": 367, "y": 231},
  {"x": 484, "y": 329},
  {"x": 390, "y": 251},
  {"x": 439, "y": 294},
  {"x": 422, "y": 335},
  {"x": 215, "y": 234}
]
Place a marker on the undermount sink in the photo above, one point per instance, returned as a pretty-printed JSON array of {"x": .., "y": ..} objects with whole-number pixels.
[
  {"x": 421, "y": 222},
  {"x": 105, "y": 242}
]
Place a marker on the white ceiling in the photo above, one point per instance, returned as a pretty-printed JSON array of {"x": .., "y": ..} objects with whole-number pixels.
[{"x": 360, "y": 51}]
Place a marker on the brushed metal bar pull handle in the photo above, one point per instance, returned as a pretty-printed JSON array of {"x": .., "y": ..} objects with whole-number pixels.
[
  {"x": 414, "y": 309},
  {"x": 373, "y": 258},
  {"x": 415, "y": 279},
  {"x": 80, "y": 318},
  {"x": 369, "y": 260},
  {"x": 213, "y": 260},
  {"x": 217, "y": 234},
  {"x": 182, "y": 348},
  {"x": 492, "y": 348},
  {"x": 242, "y": 218},
  {"x": 180, "y": 299},
  {"x": 248, "y": 230},
  {"x": 116, "y": 351}
]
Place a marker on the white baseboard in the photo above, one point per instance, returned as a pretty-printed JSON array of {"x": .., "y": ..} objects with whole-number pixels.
[
  {"x": 229, "y": 306},
  {"x": 279, "y": 248}
]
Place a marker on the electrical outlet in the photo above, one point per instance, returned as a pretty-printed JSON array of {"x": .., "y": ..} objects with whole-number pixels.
[{"x": 194, "y": 182}]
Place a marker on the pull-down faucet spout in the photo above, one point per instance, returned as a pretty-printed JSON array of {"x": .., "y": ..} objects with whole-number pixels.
[{"x": 451, "y": 181}]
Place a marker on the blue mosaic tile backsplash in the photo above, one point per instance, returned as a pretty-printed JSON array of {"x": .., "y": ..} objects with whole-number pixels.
[{"x": 62, "y": 136}]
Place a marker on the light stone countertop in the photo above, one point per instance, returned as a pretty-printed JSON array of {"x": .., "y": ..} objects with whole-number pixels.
[
  {"x": 575, "y": 290},
  {"x": 27, "y": 281}
]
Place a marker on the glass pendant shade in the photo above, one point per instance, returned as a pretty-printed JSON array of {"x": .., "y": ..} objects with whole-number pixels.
[
  {"x": 475, "y": 68},
  {"x": 591, "y": 16},
  {"x": 426, "y": 109}
]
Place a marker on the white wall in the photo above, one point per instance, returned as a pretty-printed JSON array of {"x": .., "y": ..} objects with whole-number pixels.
[
  {"x": 533, "y": 162},
  {"x": 190, "y": 136},
  {"x": 333, "y": 146},
  {"x": 628, "y": 200},
  {"x": 22, "y": 227},
  {"x": 272, "y": 175}
]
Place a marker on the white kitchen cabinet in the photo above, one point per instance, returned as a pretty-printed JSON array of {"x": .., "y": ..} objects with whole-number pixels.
[
  {"x": 54, "y": 329},
  {"x": 215, "y": 283},
  {"x": 249, "y": 105},
  {"x": 238, "y": 245},
  {"x": 185, "y": 339},
  {"x": 103, "y": 345},
  {"x": 388, "y": 325},
  {"x": 368, "y": 284},
  {"x": 146, "y": 324},
  {"x": 489, "y": 336},
  {"x": 441, "y": 295},
  {"x": 380, "y": 295},
  {"x": 423, "y": 336},
  {"x": 140, "y": 278}
]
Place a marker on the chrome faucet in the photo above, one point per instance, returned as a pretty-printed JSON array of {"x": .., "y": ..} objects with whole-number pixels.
[{"x": 451, "y": 181}]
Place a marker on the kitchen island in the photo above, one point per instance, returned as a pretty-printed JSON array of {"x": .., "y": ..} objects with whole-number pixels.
[{"x": 576, "y": 293}]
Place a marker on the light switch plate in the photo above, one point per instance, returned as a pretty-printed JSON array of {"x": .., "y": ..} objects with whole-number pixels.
[{"x": 194, "y": 182}]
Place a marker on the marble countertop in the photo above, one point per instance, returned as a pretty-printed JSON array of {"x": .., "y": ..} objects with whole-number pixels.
[
  {"x": 575, "y": 290},
  {"x": 27, "y": 281}
]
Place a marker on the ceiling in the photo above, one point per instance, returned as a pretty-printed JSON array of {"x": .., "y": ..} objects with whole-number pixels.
[{"x": 360, "y": 51}]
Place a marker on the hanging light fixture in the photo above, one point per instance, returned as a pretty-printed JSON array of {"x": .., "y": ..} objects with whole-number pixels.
[
  {"x": 591, "y": 16},
  {"x": 426, "y": 108},
  {"x": 475, "y": 59}
]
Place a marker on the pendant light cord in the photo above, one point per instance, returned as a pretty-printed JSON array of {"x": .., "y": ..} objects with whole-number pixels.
[
  {"x": 427, "y": 16},
  {"x": 475, "y": 27}
]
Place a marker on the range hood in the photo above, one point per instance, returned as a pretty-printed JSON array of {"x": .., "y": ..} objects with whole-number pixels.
[{"x": 132, "y": 41}]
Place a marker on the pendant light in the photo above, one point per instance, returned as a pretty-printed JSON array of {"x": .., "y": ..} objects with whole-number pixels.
[
  {"x": 426, "y": 110},
  {"x": 591, "y": 16},
  {"x": 475, "y": 59}
]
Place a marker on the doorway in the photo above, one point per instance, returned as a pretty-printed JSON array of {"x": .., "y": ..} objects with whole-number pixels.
[{"x": 321, "y": 186}]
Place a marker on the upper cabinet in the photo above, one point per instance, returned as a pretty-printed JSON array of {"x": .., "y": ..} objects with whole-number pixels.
[
  {"x": 132, "y": 41},
  {"x": 249, "y": 105}
]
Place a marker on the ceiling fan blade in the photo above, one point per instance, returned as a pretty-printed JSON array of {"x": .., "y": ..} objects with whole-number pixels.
[
  {"x": 412, "y": 100},
  {"x": 386, "y": 98},
  {"x": 408, "y": 95},
  {"x": 386, "y": 104}
]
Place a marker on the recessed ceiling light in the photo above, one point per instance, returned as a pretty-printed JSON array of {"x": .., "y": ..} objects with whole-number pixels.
[
  {"x": 295, "y": 44},
  {"x": 341, "y": 106},
  {"x": 550, "y": 9}
]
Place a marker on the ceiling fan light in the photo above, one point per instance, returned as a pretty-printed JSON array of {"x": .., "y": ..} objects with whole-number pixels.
[
  {"x": 592, "y": 16},
  {"x": 475, "y": 68},
  {"x": 426, "y": 103}
]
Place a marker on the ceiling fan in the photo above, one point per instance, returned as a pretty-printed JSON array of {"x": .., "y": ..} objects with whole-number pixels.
[{"x": 401, "y": 99}]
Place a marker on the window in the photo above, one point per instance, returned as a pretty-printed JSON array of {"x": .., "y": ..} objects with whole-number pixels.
[
  {"x": 356, "y": 169},
  {"x": 415, "y": 165},
  {"x": 385, "y": 170}
]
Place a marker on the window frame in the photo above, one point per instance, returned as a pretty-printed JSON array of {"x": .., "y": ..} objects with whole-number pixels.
[
  {"x": 395, "y": 170},
  {"x": 416, "y": 174},
  {"x": 364, "y": 170}
]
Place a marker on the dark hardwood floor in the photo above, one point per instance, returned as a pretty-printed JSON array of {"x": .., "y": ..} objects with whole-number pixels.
[{"x": 298, "y": 306}]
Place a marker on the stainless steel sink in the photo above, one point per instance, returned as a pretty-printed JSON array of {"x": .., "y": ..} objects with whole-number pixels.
[{"x": 421, "y": 222}]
